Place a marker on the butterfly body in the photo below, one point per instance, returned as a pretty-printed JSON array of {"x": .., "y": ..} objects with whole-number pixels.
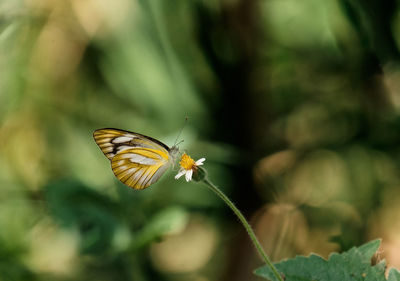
[{"x": 136, "y": 160}]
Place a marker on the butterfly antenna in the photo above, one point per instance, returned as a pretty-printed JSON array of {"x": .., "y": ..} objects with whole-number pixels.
[{"x": 180, "y": 132}]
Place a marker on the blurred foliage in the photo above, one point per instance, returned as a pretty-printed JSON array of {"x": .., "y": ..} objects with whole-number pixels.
[{"x": 295, "y": 105}]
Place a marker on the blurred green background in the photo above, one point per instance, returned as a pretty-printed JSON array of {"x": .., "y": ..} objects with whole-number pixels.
[{"x": 295, "y": 105}]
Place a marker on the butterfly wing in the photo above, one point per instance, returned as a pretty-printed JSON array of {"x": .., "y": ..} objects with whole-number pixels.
[
  {"x": 136, "y": 160},
  {"x": 112, "y": 141},
  {"x": 139, "y": 167}
]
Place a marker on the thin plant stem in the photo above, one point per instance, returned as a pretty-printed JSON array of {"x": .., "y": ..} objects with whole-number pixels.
[{"x": 246, "y": 226}]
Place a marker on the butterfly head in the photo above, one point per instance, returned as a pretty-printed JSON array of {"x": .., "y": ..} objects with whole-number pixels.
[{"x": 174, "y": 153}]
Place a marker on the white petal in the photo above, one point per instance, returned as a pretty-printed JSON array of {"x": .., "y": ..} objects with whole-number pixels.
[
  {"x": 181, "y": 173},
  {"x": 188, "y": 175},
  {"x": 200, "y": 161}
]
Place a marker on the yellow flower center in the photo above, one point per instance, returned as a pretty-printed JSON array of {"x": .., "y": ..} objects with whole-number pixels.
[{"x": 187, "y": 162}]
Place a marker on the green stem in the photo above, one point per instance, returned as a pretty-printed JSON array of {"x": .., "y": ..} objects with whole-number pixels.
[{"x": 246, "y": 226}]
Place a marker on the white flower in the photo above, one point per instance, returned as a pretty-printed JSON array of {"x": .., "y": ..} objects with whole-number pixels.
[{"x": 188, "y": 167}]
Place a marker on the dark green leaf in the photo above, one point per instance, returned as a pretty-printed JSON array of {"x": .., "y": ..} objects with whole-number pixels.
[
  {"x": 91, "y": 213},
  {"x": 352, "y": 265}
]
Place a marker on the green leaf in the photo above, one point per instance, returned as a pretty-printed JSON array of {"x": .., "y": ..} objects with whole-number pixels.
[
  {"x": 354, "y": 264},
  {"x": 394, "y": 275}
]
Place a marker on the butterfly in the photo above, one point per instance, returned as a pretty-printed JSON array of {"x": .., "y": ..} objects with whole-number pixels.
[{"x": 136, "y": 160}]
